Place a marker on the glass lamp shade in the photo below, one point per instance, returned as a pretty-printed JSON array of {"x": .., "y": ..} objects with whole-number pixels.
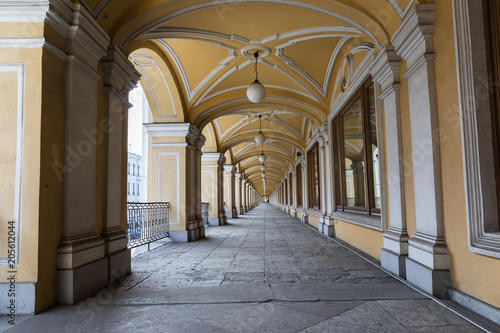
[
  {"x": 256, "y": 92},
  {"x": 262, "y": 158},
  {"x": 263, "y": 167},
  {"x": 260, "y": 138}
]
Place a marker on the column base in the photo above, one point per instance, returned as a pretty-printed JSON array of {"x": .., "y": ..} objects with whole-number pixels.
[
  {"x": 393, "y": 262},
  {"x": 217, "y": 221},
  {"x": 293, "y": 213},
  {"x": 242, "y": 211},
  {"x": 74, "y": 285},
  {"x": 119, "y": 264},
  {"x": 235, "y": 213},
  {"x": 328, "y": 229},
  {"x": 304, "y": 219},
  {"x": 435, "y": 282},
  {"x": 185, "y": 236}
]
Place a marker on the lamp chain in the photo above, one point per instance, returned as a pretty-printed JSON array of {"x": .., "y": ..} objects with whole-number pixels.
[{"x": 256, "y": 55}]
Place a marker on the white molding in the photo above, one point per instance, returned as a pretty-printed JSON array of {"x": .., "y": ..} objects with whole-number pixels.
[
  {"x": 168, "y": 129},
  {"x": 483, "y": 309},
  {"x": 234, "y": 110},
  {"x": 23, "y": 11},
  {"x": 192, "y": 93},
  {"x": 95, "y": 13},
  {"x": 178, "y": 176},
  {"x": 183, "y": 11},
  {"x": 148, "y": 82},
  {"x": 478, "y": 166},
  {"x": 21, "y": 43},
  {"x": 367, "y": 221},
  {"x": 414, "y": 37},
  {"x": 18, "y": 183},
  {"x": 402, "y": 13},
  {"x": 361, "y": 73},
  {"x": 162, "y": 145}
]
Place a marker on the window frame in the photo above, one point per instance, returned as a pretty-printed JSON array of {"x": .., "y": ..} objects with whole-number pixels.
[
  {"x": 476, "y": 131},
  {"x": 298, "y": 181},
  {"x": 310, "y": 177},
  {"x": 492, "y": 39},
  {"x": 338, "y": 154}
]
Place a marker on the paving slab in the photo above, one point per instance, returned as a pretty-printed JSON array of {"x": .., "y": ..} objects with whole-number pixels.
[{"x": 263, "y": 272}]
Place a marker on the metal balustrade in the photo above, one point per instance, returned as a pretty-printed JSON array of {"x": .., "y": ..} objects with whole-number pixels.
[{"x": 147, "y": 222}]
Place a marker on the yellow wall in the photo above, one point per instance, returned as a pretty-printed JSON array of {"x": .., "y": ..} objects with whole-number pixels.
[
  {"x": 313, "y": 220},
  {"x": 173, "y": 170},
  {"x": 209, "y": 190},
  {"x": 471, "y": 273},
  {"x": 367, "y": 240}
]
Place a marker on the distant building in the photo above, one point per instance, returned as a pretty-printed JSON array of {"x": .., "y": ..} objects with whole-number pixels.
[{"x": 135, "y": 179}]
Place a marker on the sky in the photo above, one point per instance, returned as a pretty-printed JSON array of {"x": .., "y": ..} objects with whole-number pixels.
[{"x": 135, "y": 121}]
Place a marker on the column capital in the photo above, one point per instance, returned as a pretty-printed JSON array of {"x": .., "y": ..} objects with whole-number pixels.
[
  {"x": 413, "y": 38},
  {"x": 385, "y": 70},
  {"x": 229, "y": 168},
  {"x": 85, "y": 38},
  {"x": 221, "y": 161},
  {"x": 323, "y": 137},
  {"x": 120, "y": 76}
]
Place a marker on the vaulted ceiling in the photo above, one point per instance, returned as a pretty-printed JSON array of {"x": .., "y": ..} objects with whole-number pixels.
[{"x": 196, "y": 58}]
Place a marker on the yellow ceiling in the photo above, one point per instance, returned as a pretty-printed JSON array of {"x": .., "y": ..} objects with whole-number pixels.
[{"x": 202, "y": 62}]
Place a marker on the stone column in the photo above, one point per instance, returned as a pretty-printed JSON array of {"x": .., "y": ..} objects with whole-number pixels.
[
  {"x": 247, "y": 196},
  {"x": 220, "y": 190},
  {"x": 305, "y": 189},
  {"x": 241, "y": 194},
  {"x": 229, "y": 184},
  {"x": 427, "y": 265},
  {"x": 293, "y": 185},
  {"x": 82, "y": 265},
  {"x": 120, "y": 78},
  {"x": 385, "y": 72},
  {"x": 237, "y": 193},
  {"x": 244, "y": 195},
  {"x": 173, "y": 176},
  {"x": 326, "y": 224}
]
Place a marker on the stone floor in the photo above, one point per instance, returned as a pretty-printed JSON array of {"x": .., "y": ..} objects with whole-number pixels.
[{"x": 264, "y": 272}]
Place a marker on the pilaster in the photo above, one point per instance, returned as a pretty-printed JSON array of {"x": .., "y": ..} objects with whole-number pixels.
[
  {"x": 385, "y": 72},
  {"x": 82, "y": 267},
  {"x": 427, "y": 265},
  {"x": 120, "y": 78}
]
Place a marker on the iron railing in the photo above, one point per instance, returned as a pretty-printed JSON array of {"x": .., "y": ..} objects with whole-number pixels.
[{"x": 147, "y": 222}]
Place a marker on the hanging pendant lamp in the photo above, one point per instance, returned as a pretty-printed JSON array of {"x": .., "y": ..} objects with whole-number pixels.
[
  {"x": 256, "y": 92},
  {"x": 260, "y": 138},
  {"x": 262, "y": 157}
]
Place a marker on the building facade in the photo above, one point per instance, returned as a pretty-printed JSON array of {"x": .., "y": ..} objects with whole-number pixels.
[
  {"x": 380, "y": 119},
  {"x": 135, "y": 179}
]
